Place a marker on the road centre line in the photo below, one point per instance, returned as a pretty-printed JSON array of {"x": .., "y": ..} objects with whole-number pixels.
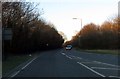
[
  {"x": 68, "y": 57},
  {"x": 91, "y": 69},
  {"x": 75, "y": 57},
  {"x": 105, "y": 68},
  {"x": 24, "y": 67},
  {"x": 79, "y": 57},
  {"x": 63, "y": 53}
]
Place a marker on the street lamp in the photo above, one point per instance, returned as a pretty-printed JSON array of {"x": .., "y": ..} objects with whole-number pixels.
[
  {"x": 80, "y": 21},
  {"x": 81, "y": 27}
]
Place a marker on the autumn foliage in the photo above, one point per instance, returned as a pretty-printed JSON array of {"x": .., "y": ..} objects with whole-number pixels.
[
  {"x": 105, "y": 36},
  {"x": 30, "y": 32}
]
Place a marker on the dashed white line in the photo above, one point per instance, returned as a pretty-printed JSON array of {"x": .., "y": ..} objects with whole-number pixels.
[
  {"x": 76, "y": 57},
  {"x": 63, "y": 53},
  {"x": 79, "y": 57},
  {"x": 105, "y": 68},
  {"x": 68, "y": 57},
  {"x": 91, "y": 69}
]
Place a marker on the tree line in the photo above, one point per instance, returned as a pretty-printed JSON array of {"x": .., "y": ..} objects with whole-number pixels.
[
  {"x": 29, "y": 31},
  {"x": 104, "y": 36}
]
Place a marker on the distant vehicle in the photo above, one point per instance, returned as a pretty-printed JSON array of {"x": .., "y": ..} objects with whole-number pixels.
[{"x": 68, "y": 47}]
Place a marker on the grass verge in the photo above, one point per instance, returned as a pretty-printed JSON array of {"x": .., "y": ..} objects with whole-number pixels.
[
  {"x": 13, "y": 61},
  {"x": 113, "y": 52}
]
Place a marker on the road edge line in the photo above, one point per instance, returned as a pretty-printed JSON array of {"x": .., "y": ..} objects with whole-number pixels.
[{"x": 23, "y": 67}]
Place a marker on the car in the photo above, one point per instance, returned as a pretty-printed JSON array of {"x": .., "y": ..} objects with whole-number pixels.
[{"x": 68, "y": 47}]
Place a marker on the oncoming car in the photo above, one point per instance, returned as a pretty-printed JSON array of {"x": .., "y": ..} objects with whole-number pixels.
[{"x": 68, "y": 47}]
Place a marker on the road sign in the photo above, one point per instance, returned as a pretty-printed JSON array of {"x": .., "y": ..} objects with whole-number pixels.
[{"x": 7, "y": 33}]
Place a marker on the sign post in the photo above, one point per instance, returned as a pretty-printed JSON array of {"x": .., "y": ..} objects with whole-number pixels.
[
  {"x": 6, "y": 37},
  {"x": 7, "y": 33}
]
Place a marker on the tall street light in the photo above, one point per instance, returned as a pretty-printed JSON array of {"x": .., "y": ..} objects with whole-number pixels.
[
  {"x": 78, "y": 19},
  {"x": 81, "y": 26}
]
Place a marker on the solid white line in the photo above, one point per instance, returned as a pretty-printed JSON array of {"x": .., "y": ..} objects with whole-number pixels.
[
  {"x": 15, "y": 73},
  {"x": 28, "y": 63},
  {"x": 105, "y": 68},
  {"x": 106, "y": 64},
  {"x": 91, "y": 69},
  {"x": 114, "y": 76},
  {"x": 23, "y": 67}
]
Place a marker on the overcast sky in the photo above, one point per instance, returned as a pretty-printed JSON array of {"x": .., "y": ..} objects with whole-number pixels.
[{"x": 61, "y": 12}]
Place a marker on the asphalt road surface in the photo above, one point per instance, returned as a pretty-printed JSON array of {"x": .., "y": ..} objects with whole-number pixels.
[{"x": 70, "y": 63}]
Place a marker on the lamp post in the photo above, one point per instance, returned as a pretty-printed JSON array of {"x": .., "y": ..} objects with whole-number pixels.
[
  {"x": 81, "y": 28},
  {"x": 80, "y": 21}
]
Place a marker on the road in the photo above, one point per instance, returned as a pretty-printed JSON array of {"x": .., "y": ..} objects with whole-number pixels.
[{"x": 70, "y": 63}]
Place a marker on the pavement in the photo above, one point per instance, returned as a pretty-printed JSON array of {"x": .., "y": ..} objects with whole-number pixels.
[{"x": 70, "y": 63}]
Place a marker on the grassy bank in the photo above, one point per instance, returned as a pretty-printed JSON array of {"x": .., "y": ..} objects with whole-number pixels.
[
  {"x": 113, "y": 52},
  {"x": 13, "y": 61}
]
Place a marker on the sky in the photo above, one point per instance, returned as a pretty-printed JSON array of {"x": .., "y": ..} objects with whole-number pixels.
[{"x": 61, "y": 13}]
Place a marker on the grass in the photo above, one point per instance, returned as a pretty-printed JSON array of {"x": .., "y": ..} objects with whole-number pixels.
[
  {"x": 13, "y": 61},
  {"x": 113, "y": 52}
]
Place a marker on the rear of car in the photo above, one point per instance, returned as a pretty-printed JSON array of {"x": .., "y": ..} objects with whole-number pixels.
[{"x": 68, "y": 47}]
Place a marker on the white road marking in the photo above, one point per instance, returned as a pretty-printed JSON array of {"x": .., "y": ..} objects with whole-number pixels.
[
  {"x": 79, "y": 57},
  {"x": 28, "y": 63},
  {"x": 76, "y": 57},
  {"x": 105, "y": 68},
  {"x": 23, "y": 67},
  {"x": 114, "y": 76},
  {"x": 86, "y": 62},
  {"x": 63, "y": 53},
  {"x": 15, "y": 73},
  {"x": 91, "y": 69},
  {"x": 106, "y": 64},
  {"x": 68, "y": 57}
]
